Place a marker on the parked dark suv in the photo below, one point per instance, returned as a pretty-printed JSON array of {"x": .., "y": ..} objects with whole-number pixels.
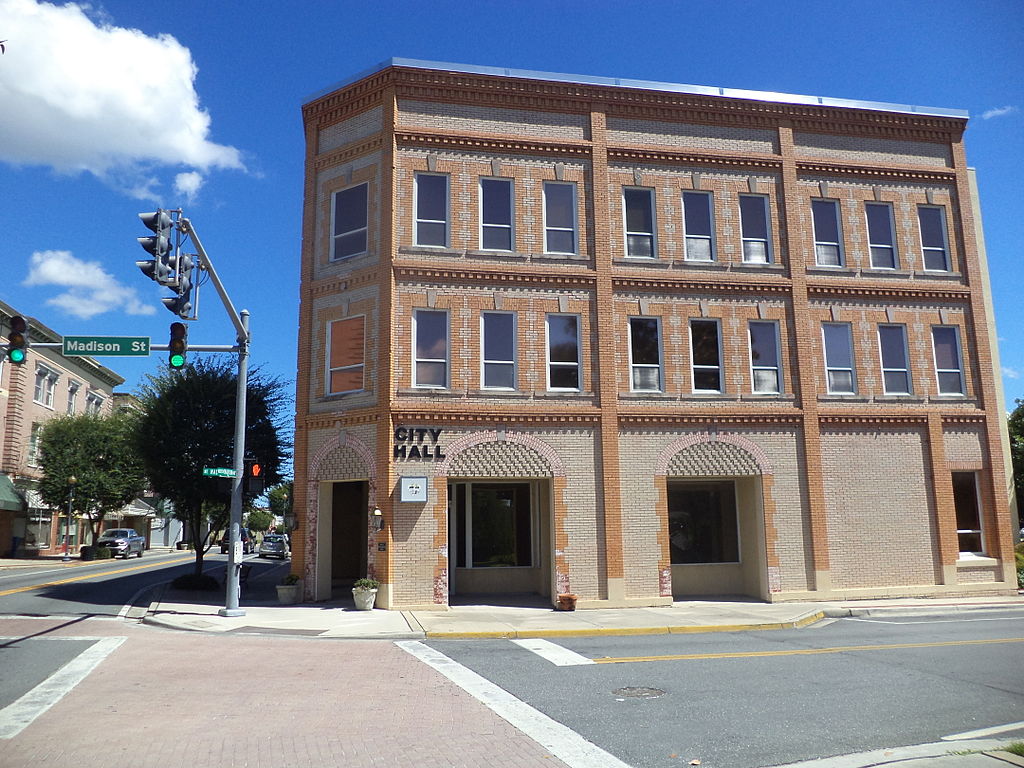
[{"x": 248, "y": 543}]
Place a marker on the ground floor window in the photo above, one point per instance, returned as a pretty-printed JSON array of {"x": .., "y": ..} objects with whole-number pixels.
[
  {"x": 37, "y": 533},
  {"x": 493, "y": 524},
  {"x": 63, "y": 535},
  {"x": 968, "y": 513},
  {"x": 702, "y": 522}
]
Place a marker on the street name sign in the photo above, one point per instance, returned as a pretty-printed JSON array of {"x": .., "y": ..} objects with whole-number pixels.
[
  {"x": 218, "y": 472},
  {"x": 113, "y": 346}
]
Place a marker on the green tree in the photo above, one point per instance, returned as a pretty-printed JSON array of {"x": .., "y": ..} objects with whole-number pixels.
[
  {"x": 259, "y": 520},
  {"x": 99, "y": 452},
  {"x": 188, "y": 423},
  {"x": 1015, "y": 424},
  {"x": 280, "y": 499}
]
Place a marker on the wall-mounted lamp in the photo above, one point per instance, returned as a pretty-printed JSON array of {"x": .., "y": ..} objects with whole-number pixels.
[
  {"x": 291, "y": 523},
  {"x": 377, "y": 520}
]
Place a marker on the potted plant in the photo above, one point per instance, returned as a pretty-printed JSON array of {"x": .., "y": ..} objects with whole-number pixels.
[
  {"x": 566, "y": 602},
  {"x": 289, "y": 591},
  {"x": 364, "y": 592}
]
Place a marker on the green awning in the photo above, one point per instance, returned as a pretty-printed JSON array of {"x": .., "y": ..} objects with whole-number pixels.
[{"x": 9, "y": 498}]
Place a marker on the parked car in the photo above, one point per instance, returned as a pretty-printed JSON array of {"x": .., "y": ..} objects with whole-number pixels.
[
  {"x": 122, "y": 541},
  {"x": 274, "y": 545},
  {"x": 248, "y": 544}
]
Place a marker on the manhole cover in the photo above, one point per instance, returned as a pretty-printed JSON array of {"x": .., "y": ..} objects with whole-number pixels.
[{"x": 638, "y": 693}]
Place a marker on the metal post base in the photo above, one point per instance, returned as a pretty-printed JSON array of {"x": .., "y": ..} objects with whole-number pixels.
[{"x": 231, "y": 612}]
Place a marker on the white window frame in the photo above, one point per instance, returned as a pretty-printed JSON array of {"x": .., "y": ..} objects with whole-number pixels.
[
  {"x": 94, "y": 403},
  {"x": 73, "y": 388},
  {"x": 710, "y": 237},
  {"x": 767, "y": 239},
  {"x": 831, "y": 367},
  {"x": 755, "y": 367},
  {"x": 925, "y": 250},
  {"x": 446, "y": 222},
  {"x": 511, "y": 226},
  {"x": 694, "y": 366},
  {"x": 447, "y": 348},
  {"x": 819, "y": 242},
  {"x": 563, "y": 364},
  {"x": 575, "y": 218},
  {"x": 959, "y": 370},
  {"x": 336, "y": 236},
  {"x": 45, "y": 386},
  {"x": 485, "y": 360},
  {"x": 906, "y": 360},
  {"x": 635, "y": 367},
  {"x": 980, "y": 530},
  {"x": 891, "y": 245},
  {"x": 652, "y": 235},
  {"x": 32, "y": 458}
]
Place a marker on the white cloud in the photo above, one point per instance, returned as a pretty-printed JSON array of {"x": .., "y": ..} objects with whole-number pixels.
[
  {"x": 80, "y": 94},
  {"x": 188, "y": 184},
  {"x": 988, "y": 114},
  {"x": 1011, "y": 373},
  {"x": 90, "y": 290}
]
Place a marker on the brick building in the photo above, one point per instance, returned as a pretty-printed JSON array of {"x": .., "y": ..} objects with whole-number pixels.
[{"x": 642, "y": 341}]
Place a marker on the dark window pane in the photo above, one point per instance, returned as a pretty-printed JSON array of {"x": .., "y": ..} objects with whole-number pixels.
[
  {"x": 497, "y": 201},
  {"x": 350, "y": 210},
  {"x": 879, "y": 224},
  {"x": 501, "y": 526},
  {"x": 350, "y": 245},
  {"x": 947, "y": 352},
  {"x": 702, "y": 524},
  {"x": 497, "y": 238},
  {"x": 640, "y": 245},
  {"x": 704, "y": 342},
  {"x": 499, "y": 340},
  {"x": 932, "y": 235},
  {"x": 896, "y": 382},
  {"x": 565, "y": 377},
  {"x": 563, "y": 339},
  {"x": 499, "y": 375},
  {"x": 639, "y": 212},
  {"x": 561, "y": 241},
  {"x": 893, "y": 347},
  {"x": 753, "y": 217},
  {"x": 431, "y": 233},
  {"x": 697, "y": 212},
  {"x": 707, "y": 381},
  {"x": 837, "y": 346},
  {"x": 431, "y": 374},
  {"x": 432, "y": 197},
  {"x": 431, "y": 335},
  {"x": 644, "y": 339},
  {"x": 826, "y": 222},
  {"x": 558, "y": 205}
]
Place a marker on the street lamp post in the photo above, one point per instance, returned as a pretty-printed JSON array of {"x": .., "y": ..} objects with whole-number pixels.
[{"x": 72, "y": 481}]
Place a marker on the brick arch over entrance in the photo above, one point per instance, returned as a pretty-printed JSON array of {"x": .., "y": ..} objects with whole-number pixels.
[
  {"x": 346, "y": 457},
  {"x": 709, "y": 454}
]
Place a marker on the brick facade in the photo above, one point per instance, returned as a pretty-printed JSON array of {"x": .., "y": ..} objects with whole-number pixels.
[{"x": 638, "y": 482}]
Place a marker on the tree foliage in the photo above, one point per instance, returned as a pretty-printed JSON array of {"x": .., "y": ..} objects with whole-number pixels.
[
  {"x": 280, "y": 499},
  {"x": 99, "y": 452},
  {"x": 188, "y": 424},
  {"x": 1016, "y": 427},
  {"x": 259, "y": 520}
]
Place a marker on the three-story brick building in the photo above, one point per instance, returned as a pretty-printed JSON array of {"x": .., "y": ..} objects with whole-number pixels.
[{"x": 642, "y": 341}]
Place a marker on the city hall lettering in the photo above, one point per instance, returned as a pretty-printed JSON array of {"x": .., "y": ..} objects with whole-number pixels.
[{"x": 411, "y": 443}]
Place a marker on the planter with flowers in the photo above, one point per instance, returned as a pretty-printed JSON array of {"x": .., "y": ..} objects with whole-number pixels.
[{"x": 364, "y": 592}]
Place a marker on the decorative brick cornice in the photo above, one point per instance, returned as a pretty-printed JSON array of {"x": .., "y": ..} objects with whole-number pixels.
[
  {"x": 868, "y": 418},
  {"x": 724, "y": 284},
  {"x": 720, "y": 159},
  {"x": 492, "y": 277},
  {"x": 336, "y": 419},
  {"x": 470, "y": 142},
  {"x": 348, "y": 101},
  {"x": 861, "y": 291},
  {"x": 887, "y": 172},
  {"x": 706, "y": 420},
  {"x": 509, "y": 417},
  {"x": 348, "y": 152},
  {"x": 334, "y": 285},
  {"x": 973, "y": 418}
]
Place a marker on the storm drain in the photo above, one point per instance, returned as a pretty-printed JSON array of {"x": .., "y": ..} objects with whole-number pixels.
[{"x": 637, "y": 693}]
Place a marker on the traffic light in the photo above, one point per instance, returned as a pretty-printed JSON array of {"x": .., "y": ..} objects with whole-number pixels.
[
  {"x": 254, "y": 477},
  {"x": 181, "y": 303},
  {"x": 160, "y": 244},
  {"x": 17, "y": 340},
  {"x": 177, "y": 347}
]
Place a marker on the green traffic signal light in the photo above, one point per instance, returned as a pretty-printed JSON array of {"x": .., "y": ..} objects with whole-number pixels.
[
  {"x": 178, "y": 345},
  {"x": 17, "y": 340}
]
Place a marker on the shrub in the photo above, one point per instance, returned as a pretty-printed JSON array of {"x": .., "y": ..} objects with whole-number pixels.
[
  {"x": 102, "y": 553},
  {"x": 290, "y": 579},
  {"x": 366, "y": 583}
]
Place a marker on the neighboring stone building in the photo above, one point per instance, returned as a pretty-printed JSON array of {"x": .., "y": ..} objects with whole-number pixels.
[
  {"x": 47, "y": 384},
  {"x": 642, "y": 342}
]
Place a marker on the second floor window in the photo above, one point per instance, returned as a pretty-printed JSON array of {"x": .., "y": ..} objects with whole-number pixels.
[
  {"x": 431, "y": 334},
  {"x": 431, "y": 209},
  {"x": 892, "y": 343},
  {"x": 754, "y": 227},
  {"x": 639, "y": 207},
  {"x": 496, "y": 214},
  {"x": 764, "y": 358},
  {"x": 933, "y": 238},
  {"x": 880, "y": 236},
  {"x": 559, "y": 217},
  {"x": 93, "y": 404},
  {"x": 698, "y": 223},
  {"x": 33, "y": 446},
  {"x": 838, "y": 342},
  {"x": 644, "y": 354},
  {"x": 706, "y": 353},
  {"x": 349, "y": 226},
  {"x": 563, "y": 352},
  {"x": 345, "y": 356},
  {"x": 46, "y": 383},
  {"x": 499, "y": 350},
  {"x": 73, "y": 388},
  {"x": 828, "y": 248},
  {"x": 948, "y": 368}
]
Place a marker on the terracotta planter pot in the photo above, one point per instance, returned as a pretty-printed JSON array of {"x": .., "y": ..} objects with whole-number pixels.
[{"x": 566, "y": 602}]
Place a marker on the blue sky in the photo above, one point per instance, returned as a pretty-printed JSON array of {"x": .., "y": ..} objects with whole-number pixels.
[{"x": 119, "y": 107}]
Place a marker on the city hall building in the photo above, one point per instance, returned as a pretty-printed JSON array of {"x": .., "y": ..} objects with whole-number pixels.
[{"x": 642, "y": 342}]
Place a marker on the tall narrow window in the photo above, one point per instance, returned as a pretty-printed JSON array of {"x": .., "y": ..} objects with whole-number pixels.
[
  {"x": 765, "y": 367},
  {"x": 499, "y": 350},
  {"x": 350, "y": 221},
  {"x": 33, "y": 445},
  {"x": 639, "y": 207},
  {"x": 644, "y": 354},
  {"x": 754, "y": 228},
  {"x": 46, "y": 383},
  {"x": 73, "y": 388},
  {"x": 698, "y": 221},
  {"x": 706, "y": 352},
  {"x": 496, "y": 214},
  {"x": 933, "y": 238},
  {"x": 431, "y": 334},
  {"x": 431, "y": 209},
  {"x": 345, "y": 363},
  {"x": 563, "y": 352},
  {"x": 880, "y": 235},
  {"x": 838, "y": 342},
  {"x": 559, "y": 217},
  {"x": 968, "y": 513},
  {"x": 949, "y": 371},
  {"x": 828, "y": 239},
  {"x": 892, "y": 342},
  {"x": 93, "y": 403}
]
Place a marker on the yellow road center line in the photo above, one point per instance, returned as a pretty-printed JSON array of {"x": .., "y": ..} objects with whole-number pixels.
[
  {"x": 802, "y": 651},
  {"x": 94, "y": 574}
]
